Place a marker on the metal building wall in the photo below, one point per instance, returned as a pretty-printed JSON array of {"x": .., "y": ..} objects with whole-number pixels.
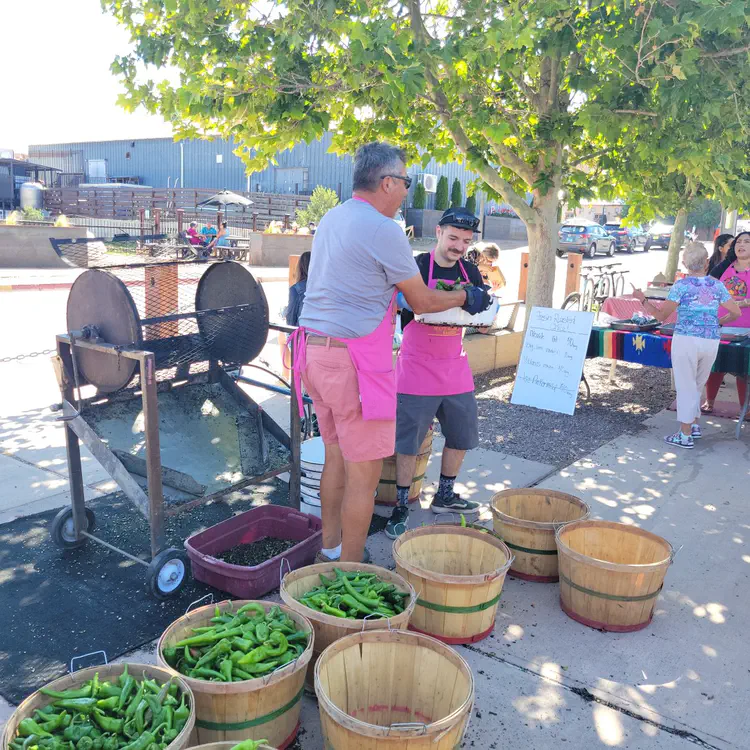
[{"x": 157, "y": 162}]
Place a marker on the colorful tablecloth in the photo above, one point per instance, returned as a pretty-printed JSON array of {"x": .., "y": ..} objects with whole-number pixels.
[
  {"x": 622, "y": 308},
  {"x": 655, "y": 350}
]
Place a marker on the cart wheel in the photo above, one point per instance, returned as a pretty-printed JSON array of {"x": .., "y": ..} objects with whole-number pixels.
[
  {"x": 167, "y": 573},
  {"x": 63, "y": 532}
]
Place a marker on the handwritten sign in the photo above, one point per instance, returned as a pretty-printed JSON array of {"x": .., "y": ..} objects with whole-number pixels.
[{"x": 551, "y": 363}]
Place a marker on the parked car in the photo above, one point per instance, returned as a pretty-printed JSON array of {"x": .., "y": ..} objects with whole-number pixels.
[
  {"x": 659, "y": 235},
  {"x": 586, "y": 237},
  {"x": 627, "y": 238}
]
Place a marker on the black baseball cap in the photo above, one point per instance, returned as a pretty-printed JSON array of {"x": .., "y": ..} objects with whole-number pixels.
[{"x": 460, "y": 218}]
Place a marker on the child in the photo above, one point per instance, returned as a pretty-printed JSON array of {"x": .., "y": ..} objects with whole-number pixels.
[{"x": 487, "y": 254}]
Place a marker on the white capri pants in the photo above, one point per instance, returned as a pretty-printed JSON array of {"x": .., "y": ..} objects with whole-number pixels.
[{"x": 692, "y": 360}]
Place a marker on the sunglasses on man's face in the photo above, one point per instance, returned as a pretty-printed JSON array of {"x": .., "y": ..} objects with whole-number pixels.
[{"x": 406, "y": 180}]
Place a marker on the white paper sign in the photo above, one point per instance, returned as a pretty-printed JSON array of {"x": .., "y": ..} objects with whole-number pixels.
[{"x": 551, "y": 363}]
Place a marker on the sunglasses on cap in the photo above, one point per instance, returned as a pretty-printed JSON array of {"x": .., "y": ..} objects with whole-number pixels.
[
  {"x": 460, "y": 220},
  {"x": 406, "y": 180}
]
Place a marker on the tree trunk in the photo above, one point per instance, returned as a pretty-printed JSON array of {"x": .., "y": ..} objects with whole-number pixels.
[
  {"x": 542, "y": 241},
  {"x": 675, "y": 243}
]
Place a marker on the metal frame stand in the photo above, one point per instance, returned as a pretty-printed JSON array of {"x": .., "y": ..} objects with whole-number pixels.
[{"x": 73, "y": 526}]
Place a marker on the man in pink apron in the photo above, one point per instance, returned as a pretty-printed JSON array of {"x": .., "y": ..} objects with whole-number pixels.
[
  {"x": 433, "y": 378},
  {"x": 344, "y": 346}
]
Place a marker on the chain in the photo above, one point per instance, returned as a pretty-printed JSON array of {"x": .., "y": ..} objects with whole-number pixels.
[{"x": 20, "y": 357}]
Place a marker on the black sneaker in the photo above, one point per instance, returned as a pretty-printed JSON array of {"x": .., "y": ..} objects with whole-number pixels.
[
  {"x": 454, "y": 504},
  {"x": 398, "y": 522}
]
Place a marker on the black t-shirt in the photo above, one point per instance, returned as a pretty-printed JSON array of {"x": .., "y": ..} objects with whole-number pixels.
[{"x": 438, "y": 272}]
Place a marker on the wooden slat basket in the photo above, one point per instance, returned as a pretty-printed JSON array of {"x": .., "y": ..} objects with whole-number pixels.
[
  {"x": 526, "y": 519},
  {"x": 224, "y": 746},
  {"x": 458, "y": 573},
  {"x": 387, "y": 486},
  {"x": 611, "y": 574},
  {"x": 267, "y": 707},
  {"x": 329, "y": 628},
  {"x": 107, "y": 672},
  {"x": 383, "y": 690}
]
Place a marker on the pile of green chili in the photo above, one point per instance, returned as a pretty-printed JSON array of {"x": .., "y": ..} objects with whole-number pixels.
[
  {"x": 238, "y": 646},
  {"x": 128, "y": 714},
  {"x": 355, "y": 594}
]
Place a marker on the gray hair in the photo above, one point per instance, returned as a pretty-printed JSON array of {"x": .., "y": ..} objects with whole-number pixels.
[
  {"x": 372, "y": 161},
  {"x": 694, "y": 256}
]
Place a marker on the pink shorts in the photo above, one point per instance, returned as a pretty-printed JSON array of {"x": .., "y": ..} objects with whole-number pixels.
[{"x": 331, "y": 381}]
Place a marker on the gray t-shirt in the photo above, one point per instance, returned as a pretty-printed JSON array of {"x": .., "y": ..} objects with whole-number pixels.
[{"x": 358, "y": 257}]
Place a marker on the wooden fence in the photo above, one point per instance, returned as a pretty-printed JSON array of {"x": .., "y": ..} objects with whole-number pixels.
[{"x": 124, "y": 203}]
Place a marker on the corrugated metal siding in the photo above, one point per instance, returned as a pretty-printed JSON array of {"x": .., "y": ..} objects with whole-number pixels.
[{"x": 156, "y": 162}]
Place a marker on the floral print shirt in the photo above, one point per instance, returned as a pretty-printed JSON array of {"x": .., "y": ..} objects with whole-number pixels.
[{"x": 699, "y": 299}]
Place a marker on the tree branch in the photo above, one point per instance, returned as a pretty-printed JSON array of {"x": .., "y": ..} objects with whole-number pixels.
[
  {"x": 508, "y": 158},
  {"x": 641, "y": 112},
  {"x": 588, "y": 157},
  {"x": 727, "y": 52}
]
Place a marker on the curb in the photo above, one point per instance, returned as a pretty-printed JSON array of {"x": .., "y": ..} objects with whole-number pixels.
[{"x": 68, "y": 285}]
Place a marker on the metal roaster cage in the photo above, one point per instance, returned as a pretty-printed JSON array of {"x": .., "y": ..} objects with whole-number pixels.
[{"x": 147, "y": 336}]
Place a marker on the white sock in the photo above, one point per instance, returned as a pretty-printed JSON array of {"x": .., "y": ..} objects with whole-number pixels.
[{"x": 332, "y": 554}]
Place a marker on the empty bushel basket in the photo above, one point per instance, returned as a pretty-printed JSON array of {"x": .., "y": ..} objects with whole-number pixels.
[
  {"x": 526, "y": 520},
  {"x": 383, "y": 690},
  {"x": 611, "y": 574}
]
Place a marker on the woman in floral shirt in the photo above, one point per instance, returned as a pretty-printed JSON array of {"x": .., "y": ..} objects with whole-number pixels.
[{"x": 695, "y": 343}]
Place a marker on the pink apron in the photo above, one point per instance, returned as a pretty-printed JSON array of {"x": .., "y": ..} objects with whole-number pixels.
[
  {"x": 432, "y": 360},
  {"x": 372, "y": 357}
]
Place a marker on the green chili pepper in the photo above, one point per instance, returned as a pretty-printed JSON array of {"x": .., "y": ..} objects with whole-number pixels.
[
  {"x": 333, "y": 611},
  {"x": 135, "y": 702},
  {"x": 74, "y": 732},
  {"x": 170, "y": 656},
  {"x": 79, "y": 705},
  {"x": 108, "y": 704},
  {"x": 57, "y": 722},
  {"x": 83, "y": 692},
  {"x": 249, "y": 745},
  {"x": 353, "y": 592},
  {"x": 262, "y": 632},
  {"x": 106, "y": 690},
  {"x": 167, "y": 717},
  {"x": 188, "y": 656},
  {"x": 279, "y": 644},
  {"x": 85, "y": 743},
  {"x": 110, "y": 743},
  {"x": 261, "y": 667},
  {"x": 226, "y": 669},
  {"x": 206, "y": 673},
  {"x": 299, "y": 635},
  {"x": 140, "y": 715},
  {"x": 255, "y": 656},
  {"x": 141, "y": 743},
  {"x": 129, "y": 730},
  {"x": 28, "y": 727},
  {"x": 107, "y": 723},
  {"x": 127, "y": 688},
  {"x": 206, "y": 638},
  {"x": 252, "y": 607}
]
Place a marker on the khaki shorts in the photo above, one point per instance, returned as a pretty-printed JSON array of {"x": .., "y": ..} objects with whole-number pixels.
[{"x": 331, "y": 380}]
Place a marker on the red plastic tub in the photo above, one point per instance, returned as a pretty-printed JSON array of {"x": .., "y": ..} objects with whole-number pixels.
[{"x": 274, "y": 521}]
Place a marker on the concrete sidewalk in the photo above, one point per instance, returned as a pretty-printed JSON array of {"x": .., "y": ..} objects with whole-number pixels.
[{"x": 541, "y": 678}]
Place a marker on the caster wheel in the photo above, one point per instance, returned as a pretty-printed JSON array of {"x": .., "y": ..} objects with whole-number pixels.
[
  {"x": 63, "y": 532},
  {"x": 167, "y": 573}
]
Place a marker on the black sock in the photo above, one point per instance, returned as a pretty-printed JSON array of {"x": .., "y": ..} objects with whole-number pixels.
[
  {"x": 402, "y": 495},
  {"x": 445, "y": 488}
]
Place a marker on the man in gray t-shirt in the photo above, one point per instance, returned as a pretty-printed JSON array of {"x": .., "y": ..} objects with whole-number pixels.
[{"x": 358, "y": 257}]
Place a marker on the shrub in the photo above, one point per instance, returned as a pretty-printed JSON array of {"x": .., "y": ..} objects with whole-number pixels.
[
  {"x": 32, "y": 214},
  {"x": 441, "y": 194},
  {"x": 322, "y": 201},
  {"x": 420, "y": 196},
  {"x": 456, "y": 197},
  {"x": 471, "y": 204}
]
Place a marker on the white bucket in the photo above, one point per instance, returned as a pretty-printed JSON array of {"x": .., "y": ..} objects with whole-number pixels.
[{"x": 309, "y": 505}]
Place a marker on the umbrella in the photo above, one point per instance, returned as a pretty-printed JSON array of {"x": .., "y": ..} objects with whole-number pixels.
[{"x": 225, "y": 198}]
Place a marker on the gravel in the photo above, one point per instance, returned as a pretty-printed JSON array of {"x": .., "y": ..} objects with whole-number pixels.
[{"x": 559, "y": 439}]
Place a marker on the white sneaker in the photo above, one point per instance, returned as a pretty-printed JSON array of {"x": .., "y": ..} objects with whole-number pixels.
[
  {"x": 680, "y": 440},
  {"x": 695, "y": 432}
]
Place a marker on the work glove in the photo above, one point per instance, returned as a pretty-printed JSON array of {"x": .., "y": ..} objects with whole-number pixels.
[{"x": 477, "y": 300}]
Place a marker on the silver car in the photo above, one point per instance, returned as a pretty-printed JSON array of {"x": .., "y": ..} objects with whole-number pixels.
[{"x": 587, "y": 238}]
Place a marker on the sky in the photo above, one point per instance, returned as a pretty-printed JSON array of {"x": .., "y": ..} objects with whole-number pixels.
[{"x": 60, "y": 88}]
